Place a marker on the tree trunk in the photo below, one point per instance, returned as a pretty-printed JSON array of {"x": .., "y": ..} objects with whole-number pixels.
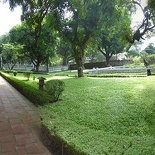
[
  {"x": 146, "y": 65},
  {"x": 80, "y": 65},
  {"x": 65, "y": 60},
  {"x": 148, "y": 72},
  {"x": 80, "y": 72},
  {"x": 47, "y": 64},
  {"x": 47, "y": 67},
  {"x": 37, "y": 67},
  {"x": 108, "y": 60}
]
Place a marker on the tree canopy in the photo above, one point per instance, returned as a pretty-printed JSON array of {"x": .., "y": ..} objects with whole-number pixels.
[
  {"x": 24, "y": 35},
  {"x": 11, "y": 54},
  {"x": 80, "y": 22}
]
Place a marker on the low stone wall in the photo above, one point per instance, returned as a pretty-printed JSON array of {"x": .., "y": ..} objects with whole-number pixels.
[
  {"x": 101, "y": 64},
  {"x": 121, "y": 69}
]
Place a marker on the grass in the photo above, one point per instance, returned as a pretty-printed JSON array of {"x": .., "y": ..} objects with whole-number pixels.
[
  {"x": 105, "y": 116},
  {"x": 100, "y": 116}
]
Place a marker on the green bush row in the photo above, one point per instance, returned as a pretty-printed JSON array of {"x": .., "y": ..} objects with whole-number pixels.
[
  {"x": 25, "y": 73},
  {"x": 11, "y": 71},
  {"x": 35, "y": 96}
]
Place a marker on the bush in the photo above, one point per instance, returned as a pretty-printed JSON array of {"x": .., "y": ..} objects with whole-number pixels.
[
  {"x": 14, "y": 72},
  {"x": 54, "y": 88},
  {"x": 27, "y": 74}
]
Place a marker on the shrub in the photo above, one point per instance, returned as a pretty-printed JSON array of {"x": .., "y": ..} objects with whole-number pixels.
[
  {"x": 54, "y": 88},
  {"x": 27, "y": 74},
  {"x": 14, "y": 72}
]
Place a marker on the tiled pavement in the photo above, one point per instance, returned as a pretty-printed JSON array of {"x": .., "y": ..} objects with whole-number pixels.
[{"x": 19, "y": 124}]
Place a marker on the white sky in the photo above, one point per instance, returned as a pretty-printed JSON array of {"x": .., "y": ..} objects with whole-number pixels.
[{"x": 8, "y": 18}]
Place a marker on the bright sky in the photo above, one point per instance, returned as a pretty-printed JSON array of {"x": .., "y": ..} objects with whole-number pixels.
[{"x": 8, "y": 18}]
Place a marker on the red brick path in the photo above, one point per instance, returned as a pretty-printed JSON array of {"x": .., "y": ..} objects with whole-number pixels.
[{"x": 19, "y": 124}]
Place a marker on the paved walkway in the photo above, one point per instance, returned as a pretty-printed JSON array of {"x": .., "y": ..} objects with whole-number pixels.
[{"x": 19, "y": 124}]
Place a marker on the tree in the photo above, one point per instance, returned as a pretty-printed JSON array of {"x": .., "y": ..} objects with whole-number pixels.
[
  {"x": 11, "y": 54},
  {"x": 85, "y": 20},
  {"x": 112, "y": 36},
  {"x": 132, "y": 53},
  {"x": 4, "y": 38},
  {"x": 93, "y": 54},
  {"x": 146, "y": 25},
  {"x": 78, "y": 28},
  {"x": 24, "y": 35},
  {"x": 150, "y": 49},
  {"x": 149, "y": 57},
  {"x": 109, "y": 47},
  {"x": 34, "y": 13},
  {"x": 65, "y": 51}
]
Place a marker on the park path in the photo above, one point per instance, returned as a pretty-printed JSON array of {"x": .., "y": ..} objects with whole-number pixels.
[{"x": 19, "y": 124}]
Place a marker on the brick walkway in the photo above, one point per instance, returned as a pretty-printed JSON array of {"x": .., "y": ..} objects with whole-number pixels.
[{"x": 19, "y": 124}]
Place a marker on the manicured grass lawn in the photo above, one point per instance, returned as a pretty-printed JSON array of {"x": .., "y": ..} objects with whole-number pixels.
[
  {"x": 105, "y": 116},
  {"x": 100, "y": 116}
]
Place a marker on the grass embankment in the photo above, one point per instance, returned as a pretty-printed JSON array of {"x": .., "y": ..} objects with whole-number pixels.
[{"x": 104, "y": 116}]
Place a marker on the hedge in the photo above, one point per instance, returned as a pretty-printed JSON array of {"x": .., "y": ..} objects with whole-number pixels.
[{"x": 35, "y": 96}]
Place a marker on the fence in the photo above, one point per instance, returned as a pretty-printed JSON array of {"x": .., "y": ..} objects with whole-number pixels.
[{"x": 41, "y": 68}]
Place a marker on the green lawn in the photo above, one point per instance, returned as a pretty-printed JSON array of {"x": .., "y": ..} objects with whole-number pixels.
[
  {"x": 97, "y": 116},
  {"x": 105, "y": 116}
]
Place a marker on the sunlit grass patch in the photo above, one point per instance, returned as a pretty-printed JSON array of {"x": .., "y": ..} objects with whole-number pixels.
[{"x": 110, "y": 116}]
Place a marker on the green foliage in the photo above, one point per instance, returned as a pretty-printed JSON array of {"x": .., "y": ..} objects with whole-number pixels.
[
  {"x": 132, "y": 53},
  {"x": 34, "y": 95},
  {"x": 11, "y": 54},
  {"x": 27, "y": 74},
  {"x": 151, "y": 5},
  {"x": 112, "y": 36},
  {"x": 150, "y": 49},
  {"x": 137, "y": 60},
  {"x": 11, "y": 71},
  {"x": 36, "y": 49},
  {"x": 54, "y": 88},
  {"x": 151, "y": 59},
  {"x": 14, "y": 72},
  {"x": 8, "y": 71},
  {"x": 64, "y": 50}
]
